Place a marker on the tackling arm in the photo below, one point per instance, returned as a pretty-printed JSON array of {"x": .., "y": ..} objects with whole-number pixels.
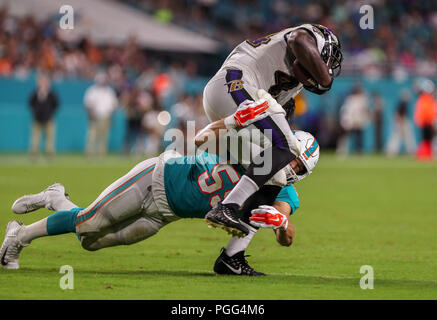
[
  {"x": 247, "y": 113},
  {"x": 211, "y": 131},
  {"x": 304, "y": 48},
  {"x": 284, "y": 236}
]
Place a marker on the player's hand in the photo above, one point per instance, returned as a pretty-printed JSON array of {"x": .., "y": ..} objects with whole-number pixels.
[
  {"x": 268, "y": 217},
  {"x": 247, "y": 113}
]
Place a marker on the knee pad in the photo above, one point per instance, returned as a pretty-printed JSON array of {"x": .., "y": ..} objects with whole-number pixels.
[
  {"x": 103, "y": 216},
  {"x": 89, "y": 243}
]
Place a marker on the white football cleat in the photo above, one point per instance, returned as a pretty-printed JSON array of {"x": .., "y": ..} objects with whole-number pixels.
[
  {"x": 11, "y": 247},
  {"x": 32, "y": 202}
]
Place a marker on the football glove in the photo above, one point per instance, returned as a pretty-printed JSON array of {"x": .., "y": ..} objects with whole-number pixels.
[
  {"x": 268, "y": 217},
  {"x": 247, "y": 113}
]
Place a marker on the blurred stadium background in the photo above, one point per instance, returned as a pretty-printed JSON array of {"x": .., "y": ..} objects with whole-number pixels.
[{"x": 158, "y": 55}]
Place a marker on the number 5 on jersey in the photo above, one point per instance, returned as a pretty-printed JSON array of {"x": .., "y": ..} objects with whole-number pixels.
[{"x": 216, "y": 183}]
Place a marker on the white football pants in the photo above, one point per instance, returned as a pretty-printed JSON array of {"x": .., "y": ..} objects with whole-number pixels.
[{"x": 124, "y": 213}]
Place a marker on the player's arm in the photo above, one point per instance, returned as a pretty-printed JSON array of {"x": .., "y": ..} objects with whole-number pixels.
[
  {"x": 304, "y": 48},
  {"x": 210, "y": 133},
  {"x": 284, "y": 236},
  {"x": 247, "y": 113}
]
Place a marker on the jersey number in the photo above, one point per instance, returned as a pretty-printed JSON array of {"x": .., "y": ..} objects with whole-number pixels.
[
  {"x": 264, "y": 40},
  {"x": 216, "y": 181},
  {"x": 283, "y": 82}
]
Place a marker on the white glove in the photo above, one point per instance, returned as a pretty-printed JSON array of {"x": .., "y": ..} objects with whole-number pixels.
[
  {"x": 247, "y": 113},
  {"x": 268, "y": 217}
]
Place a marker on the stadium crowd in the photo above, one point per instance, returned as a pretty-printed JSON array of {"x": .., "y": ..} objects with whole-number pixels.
[
  {"x": 144, "y": 82},
  {"x": 22, "y": 40},
  {"x": 404, "y": 38}
]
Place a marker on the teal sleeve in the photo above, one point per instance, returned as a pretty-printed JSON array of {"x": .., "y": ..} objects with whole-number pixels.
[{"x": 289, "y": 194}]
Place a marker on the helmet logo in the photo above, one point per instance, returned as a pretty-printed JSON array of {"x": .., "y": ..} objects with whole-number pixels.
[{"x": 312, "y": 148}]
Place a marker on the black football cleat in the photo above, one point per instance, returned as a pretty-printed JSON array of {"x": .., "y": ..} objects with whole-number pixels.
[
  {"x": 225, "y": 217},
  {"x": 235, "y": 265}
]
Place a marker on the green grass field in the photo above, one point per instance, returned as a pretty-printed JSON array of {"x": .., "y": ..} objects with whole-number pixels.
[{"x": 357, "y": 211}]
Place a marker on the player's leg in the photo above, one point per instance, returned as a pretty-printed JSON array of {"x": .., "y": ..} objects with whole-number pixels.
[
  {"x": 231, "y": 89},
  {"x": 217, "y": 99},
  {"x": 19, "y": 235},
  {"x": 123, "y": 199},
  {"x": 130, "y": 231},
  {"x": 220, "y": 99},
  {"x": 232, "y": 259},
  {"x": 265, "y": 196},
  {"x": 134, "y": 229},
  {"x": 267, "y": 163},
  {"x": 53, "y": 198},
  {"x": 274, "y": 158}
]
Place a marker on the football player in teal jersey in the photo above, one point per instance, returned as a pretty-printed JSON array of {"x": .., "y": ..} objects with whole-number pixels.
[{"x": 154, "y": 193}]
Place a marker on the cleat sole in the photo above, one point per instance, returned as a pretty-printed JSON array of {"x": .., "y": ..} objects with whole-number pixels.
[{"x": 232, "y": 231}]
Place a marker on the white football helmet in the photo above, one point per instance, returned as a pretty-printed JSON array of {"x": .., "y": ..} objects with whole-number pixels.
[{"x": 309, "y": 156}]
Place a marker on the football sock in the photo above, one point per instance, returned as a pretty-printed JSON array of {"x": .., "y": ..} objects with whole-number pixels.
[
  {"x": 62, "y": 221},
  {"x": 242, "y": 191},
  {"x": 237, "y": 244},
  {"x": 58, "y": 223},
  {"x": 61, "y": 203},
  {"x": 33, "y": 231}
]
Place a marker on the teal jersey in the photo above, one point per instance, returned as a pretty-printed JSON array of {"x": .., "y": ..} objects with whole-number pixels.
[
  {"x": 289, "y": 195},
  {"x": 195, "y": 184}
]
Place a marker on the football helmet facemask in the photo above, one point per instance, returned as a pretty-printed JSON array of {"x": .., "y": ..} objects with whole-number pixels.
[
  {"x": 309, "y": 156},
  {"x": 331, "y": 52}
]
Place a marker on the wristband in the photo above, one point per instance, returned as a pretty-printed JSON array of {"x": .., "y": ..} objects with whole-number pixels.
[
  {"x": 230, "y": 122},
  {"x": 283, "y": 228}
]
